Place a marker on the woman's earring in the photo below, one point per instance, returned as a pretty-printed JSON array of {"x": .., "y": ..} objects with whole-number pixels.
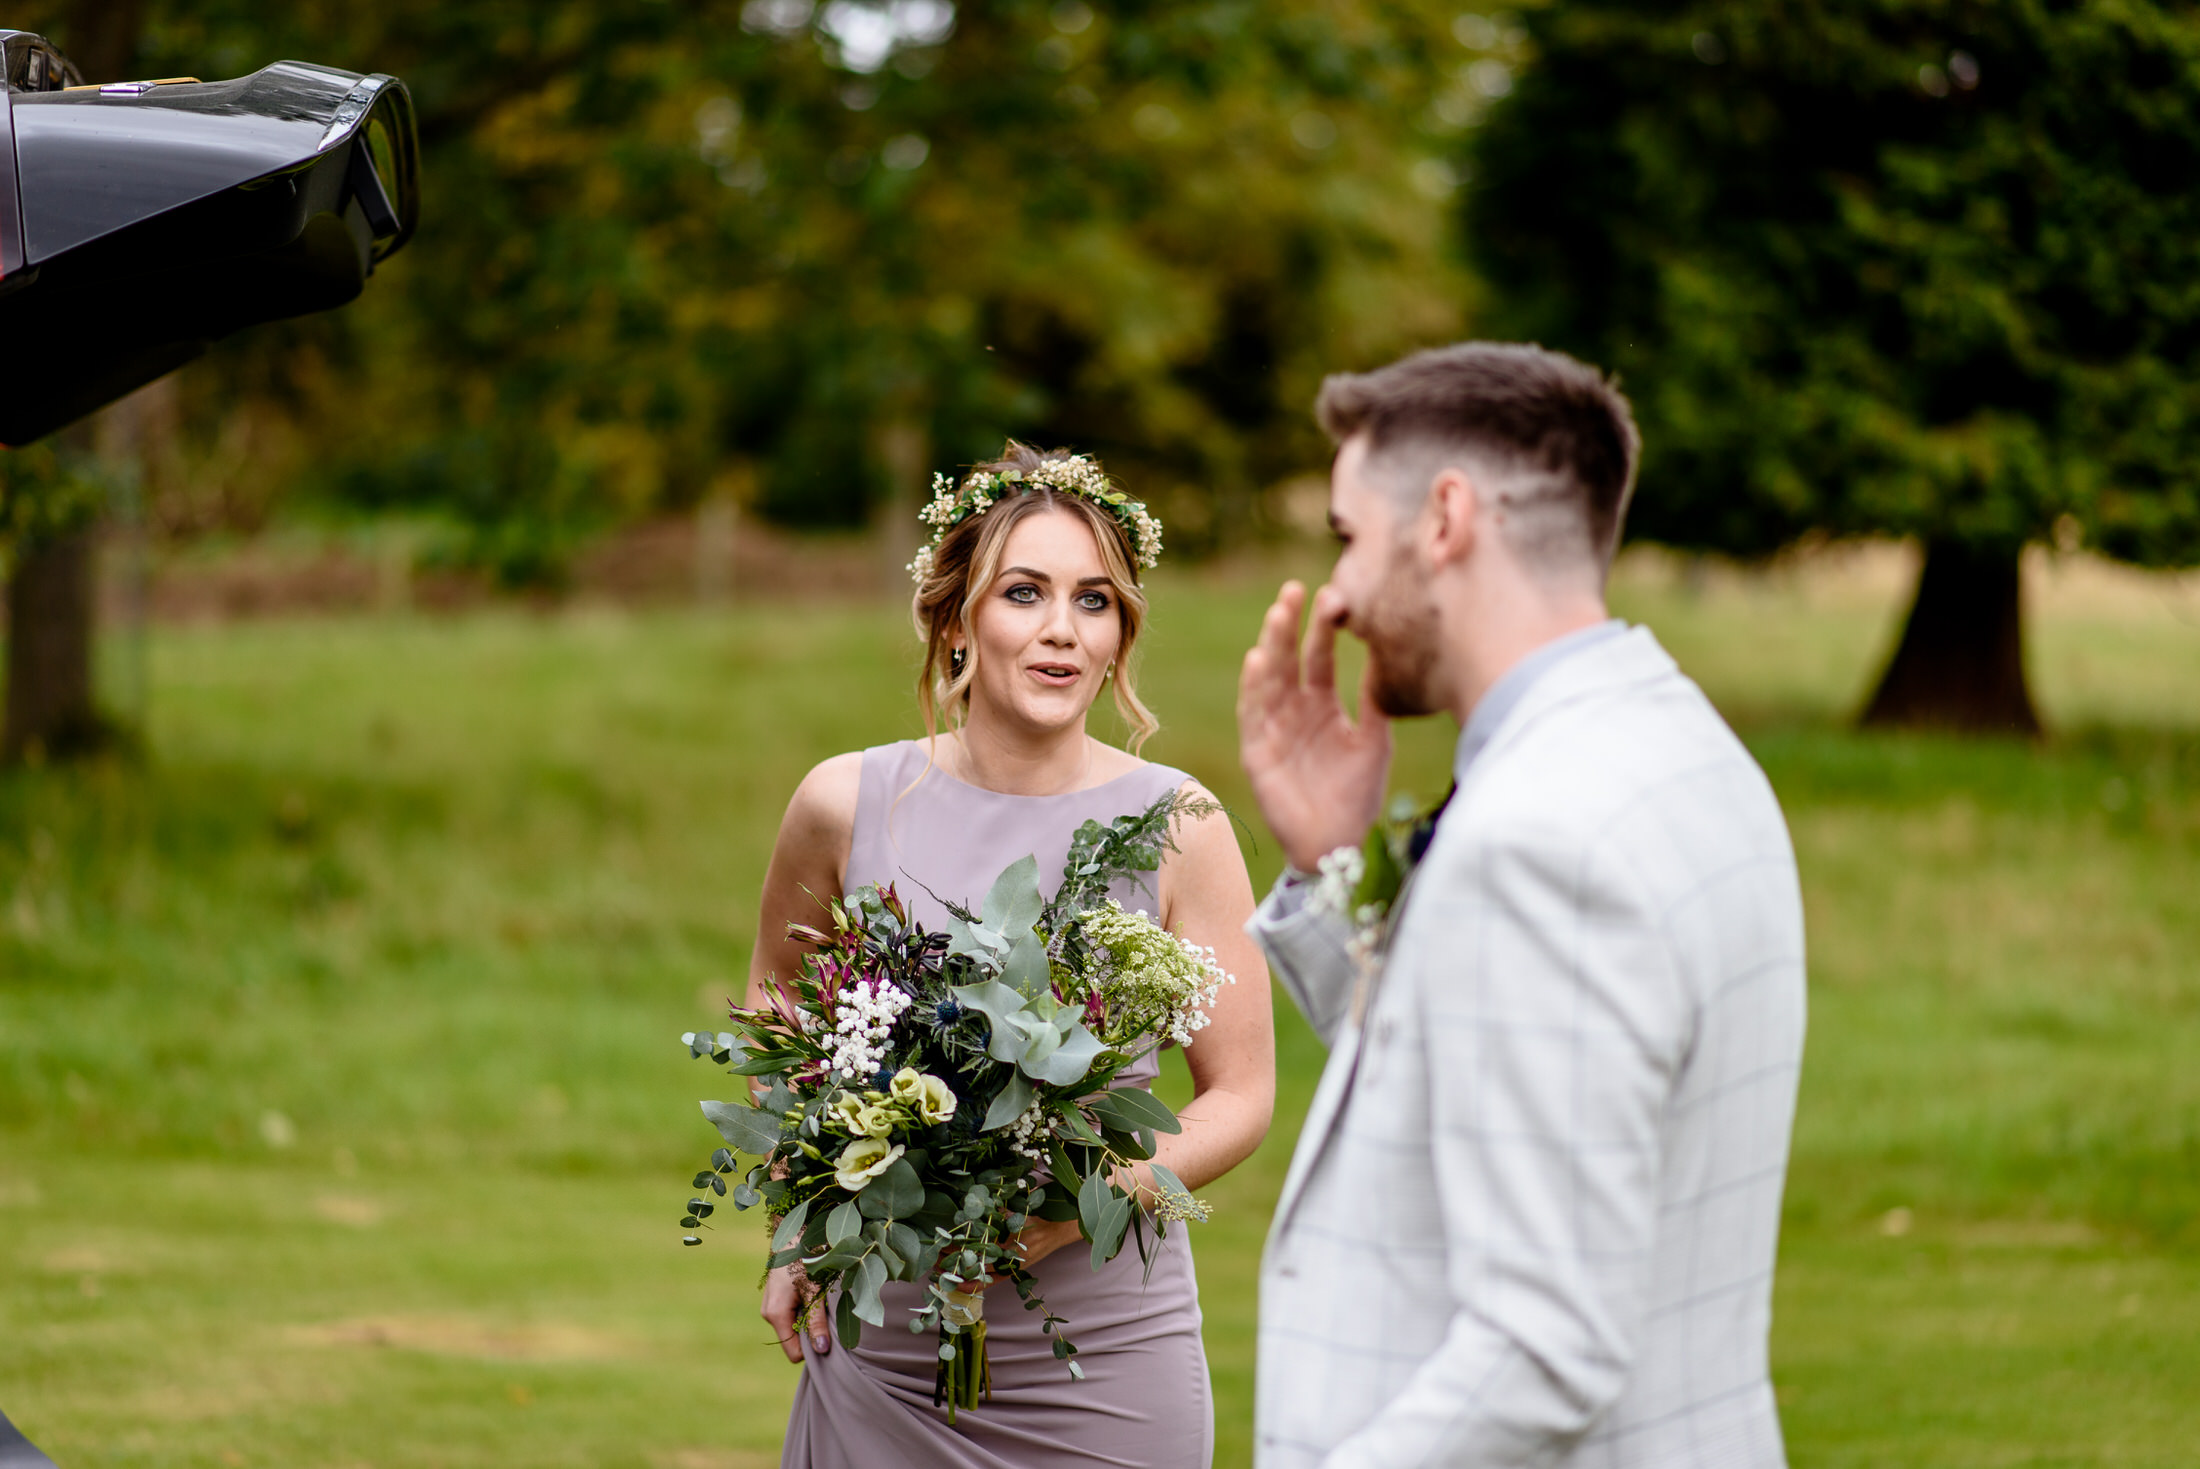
[
  {"x": 955, "y": 662},
  {"x": 1108, "y": 673}
]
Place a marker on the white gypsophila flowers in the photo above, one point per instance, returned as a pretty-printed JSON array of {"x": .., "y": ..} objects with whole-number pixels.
[
  {"x": 1337, "y": 878},
  {"x": 1154, "y": 982},
  {"x": 1148, "y": 532},
  {"x": 1025, "y": 1139},
  {"x": 865, "y": 1016},
  {"x": 951, "y": 504}
]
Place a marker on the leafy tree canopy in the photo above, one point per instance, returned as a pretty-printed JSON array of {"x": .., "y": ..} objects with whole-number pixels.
[
  {"x": 1920, "y": 267},
  {"x": 796, "y": 253}
]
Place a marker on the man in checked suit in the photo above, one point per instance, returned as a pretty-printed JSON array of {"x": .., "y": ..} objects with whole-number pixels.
[{"x": 1533, "y": 1214}]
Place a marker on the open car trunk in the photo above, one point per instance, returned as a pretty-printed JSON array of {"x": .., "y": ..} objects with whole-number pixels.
[{"x": 141, "y": 221}]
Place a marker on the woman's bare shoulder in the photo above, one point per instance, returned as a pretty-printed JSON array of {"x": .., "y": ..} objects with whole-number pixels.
[
  {"x": 824, "y": 804},
  {"x": 1205, "y": 833},
  {"x": 1203, "y": 879}
]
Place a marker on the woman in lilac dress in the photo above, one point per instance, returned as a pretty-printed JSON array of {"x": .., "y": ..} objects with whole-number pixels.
[{"x": 1029, "y": 606}]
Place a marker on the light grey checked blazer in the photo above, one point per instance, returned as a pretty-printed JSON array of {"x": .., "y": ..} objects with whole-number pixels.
[{"x": 1533, "y": 1213}]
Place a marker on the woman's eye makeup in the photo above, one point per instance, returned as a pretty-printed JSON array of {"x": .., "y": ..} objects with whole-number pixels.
[{"x": 1028, "y": 594}]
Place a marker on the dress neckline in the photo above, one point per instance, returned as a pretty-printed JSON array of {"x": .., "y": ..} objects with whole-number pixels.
[{"x": 935, "y": 768}]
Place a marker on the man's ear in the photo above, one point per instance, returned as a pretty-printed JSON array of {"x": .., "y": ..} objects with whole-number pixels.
[{"x": 1450, "y": 510}]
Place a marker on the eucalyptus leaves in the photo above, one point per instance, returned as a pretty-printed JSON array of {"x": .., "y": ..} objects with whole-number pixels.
[{"x": 924, "y": 1094}]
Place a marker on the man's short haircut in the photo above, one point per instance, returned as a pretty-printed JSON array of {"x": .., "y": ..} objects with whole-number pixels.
[{"x": 1522, "y": 411}]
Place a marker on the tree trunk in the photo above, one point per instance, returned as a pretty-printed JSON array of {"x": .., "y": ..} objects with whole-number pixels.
[
  {"x": 903, "y": 447},
  {"x": 50, "y": 596},
  {"x": 1960, "y": 665},
  {"x": 50, "y": 709}
]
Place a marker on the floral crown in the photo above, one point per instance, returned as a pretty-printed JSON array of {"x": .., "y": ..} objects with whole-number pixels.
[{"x": 952, "y": 504}]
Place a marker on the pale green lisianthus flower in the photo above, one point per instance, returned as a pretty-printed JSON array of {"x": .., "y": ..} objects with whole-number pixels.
[
  {"x": 935, "y": 1100},
  {"x": 863, "y": 1160},
  {"x": 926, "y": 1095},
  {"x": 878, "y": 1121},
  {"x": 846, "y": 1112}
]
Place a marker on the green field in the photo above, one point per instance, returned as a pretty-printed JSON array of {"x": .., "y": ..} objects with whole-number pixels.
[{"x": 342, "y": 1119}]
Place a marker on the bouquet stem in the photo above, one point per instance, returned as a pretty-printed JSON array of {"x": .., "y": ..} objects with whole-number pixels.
[{"x": 966, "y": 1379}]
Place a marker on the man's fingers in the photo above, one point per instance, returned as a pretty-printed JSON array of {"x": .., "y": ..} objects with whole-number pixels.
[
  {"x": 1279, "y": 632},
  {"x": 1271, "y": 665},
  {"x": 1253, "y": 680},
  {"x": 1320, "y": 652}
]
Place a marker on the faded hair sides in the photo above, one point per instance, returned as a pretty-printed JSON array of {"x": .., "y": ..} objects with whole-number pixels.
[{"x": 1558, "y": 431}]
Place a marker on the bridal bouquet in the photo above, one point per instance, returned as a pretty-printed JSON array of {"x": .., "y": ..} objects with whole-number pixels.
[{"x": 921, "y": 1095}]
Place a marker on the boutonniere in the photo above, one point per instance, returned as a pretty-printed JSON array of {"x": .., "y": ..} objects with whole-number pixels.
[{"x": 1361, "y": 884}]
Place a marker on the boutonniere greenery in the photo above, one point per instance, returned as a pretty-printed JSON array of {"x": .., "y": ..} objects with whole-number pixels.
[{"x": 1361, "y": 884}]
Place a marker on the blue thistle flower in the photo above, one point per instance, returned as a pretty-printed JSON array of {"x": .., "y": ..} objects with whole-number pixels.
[{"x": 948, "y": 1012}]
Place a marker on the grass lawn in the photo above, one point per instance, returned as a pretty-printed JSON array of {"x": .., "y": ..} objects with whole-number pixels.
[{"x": 343, "y": 1123}]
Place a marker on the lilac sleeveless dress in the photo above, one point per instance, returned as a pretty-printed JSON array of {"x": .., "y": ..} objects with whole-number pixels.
[{"x": 1144, "y": 1403}]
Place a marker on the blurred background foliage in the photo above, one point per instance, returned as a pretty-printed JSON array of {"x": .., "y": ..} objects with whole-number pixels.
[
  {"x": 1920, "y": 268},
  {"x": 795, "y": 256},
  {"x": 1926, "y": 268},
  {"x": 365, "y": 987}
]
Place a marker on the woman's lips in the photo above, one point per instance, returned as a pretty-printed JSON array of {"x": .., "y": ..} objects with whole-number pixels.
[{"x": 1055, "y": 673}]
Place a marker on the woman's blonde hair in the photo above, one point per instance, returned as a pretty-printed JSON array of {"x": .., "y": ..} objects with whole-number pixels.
[{"x": 968, "y": 559}]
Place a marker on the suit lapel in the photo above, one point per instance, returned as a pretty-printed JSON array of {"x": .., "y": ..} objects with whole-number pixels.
[
  {"x": 1321, "y": 1114},
  {"x": 1632, "y": 657},
  {"x": 1337, "y": 1077}
]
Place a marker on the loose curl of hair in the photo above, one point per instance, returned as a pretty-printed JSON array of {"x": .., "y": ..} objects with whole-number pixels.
[{"x": 968, "y": 559}]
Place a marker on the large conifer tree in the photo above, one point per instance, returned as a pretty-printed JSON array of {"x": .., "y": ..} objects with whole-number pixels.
[{"x": 1928, "y": 268}]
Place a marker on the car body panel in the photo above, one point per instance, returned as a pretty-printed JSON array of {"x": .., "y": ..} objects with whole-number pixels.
[{"x": 151, "y": 219}]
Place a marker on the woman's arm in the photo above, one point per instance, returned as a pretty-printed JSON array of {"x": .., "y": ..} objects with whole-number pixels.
[
  {"x": 1206, "y": 898},
  {"x": 809, "y": 863}
]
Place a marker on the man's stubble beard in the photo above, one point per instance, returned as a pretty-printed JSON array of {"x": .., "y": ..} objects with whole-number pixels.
[{"x": 1402, "y": 631}]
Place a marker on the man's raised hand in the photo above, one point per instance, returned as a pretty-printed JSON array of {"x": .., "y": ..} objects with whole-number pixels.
[{"x": 1318, "y": 775}]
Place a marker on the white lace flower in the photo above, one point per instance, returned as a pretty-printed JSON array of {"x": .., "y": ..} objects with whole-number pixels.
[{"x": 1147, "y": 980}]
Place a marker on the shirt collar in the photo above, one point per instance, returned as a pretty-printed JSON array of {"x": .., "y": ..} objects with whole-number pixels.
[{"x": 1505, "y": 695}]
